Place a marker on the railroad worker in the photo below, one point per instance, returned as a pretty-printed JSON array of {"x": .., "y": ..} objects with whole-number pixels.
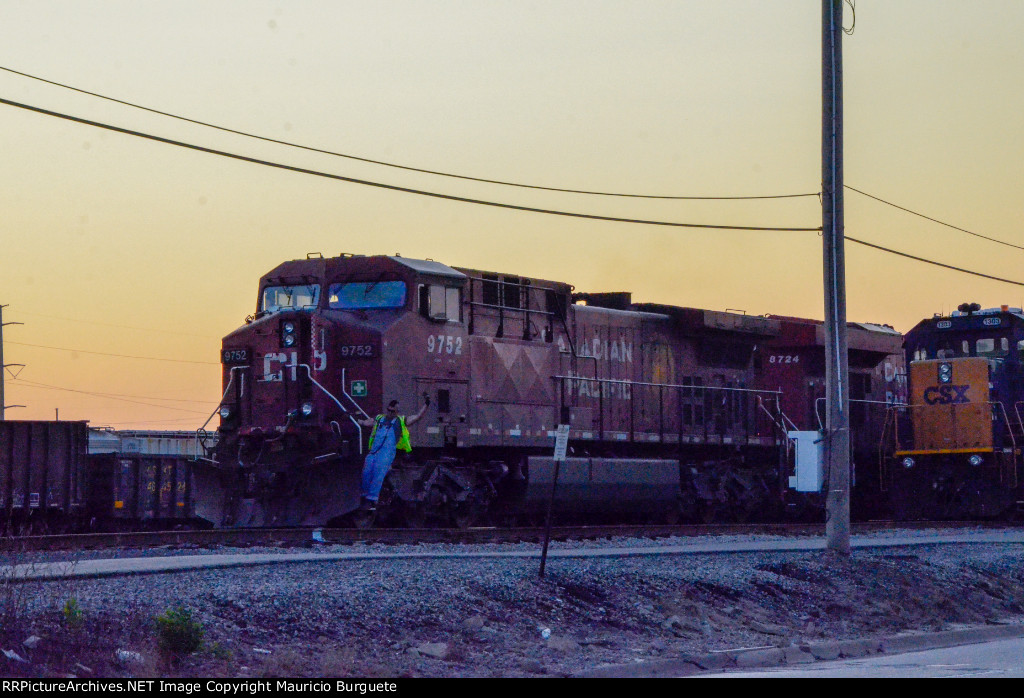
[{"x": 390, "y": 433}]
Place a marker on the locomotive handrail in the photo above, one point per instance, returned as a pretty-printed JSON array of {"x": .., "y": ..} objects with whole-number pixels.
[
  {"x": 737, "y": 415},
  {"x": 883, "y": 475},
  {"x": 668, "y": 385},
  {"x": 1016, "y": 409},
  {"x": 781, "y": 424},
  {"x": 785, "y": 419},
  {"x": 481, "y": 304},
  {"x": 1013, "y": 443},
  {"x": 359, "y": 428},
  {"x": 201, "y": 442},
  {"x": 818, "y": 401}
]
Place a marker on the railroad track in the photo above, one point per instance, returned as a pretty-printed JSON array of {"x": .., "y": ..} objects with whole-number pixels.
[{"x": 309, "y": 537}]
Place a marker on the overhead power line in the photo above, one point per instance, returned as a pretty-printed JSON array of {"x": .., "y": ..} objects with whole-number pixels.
[
  {"x": 151, "y": 421},
  {"x": 23, "y": 381},
  {"x": 937, "y": 264},
  {"x": 108, "y": 396},
  {"x": 480, "y": 201},
  {"x": 934, "y": 220},
  {"x": 123, "y": 327},
  {"x": 395, "y": 165},
  {"x": 392, "y": 187},
  {"x": 120, "y": 356}
]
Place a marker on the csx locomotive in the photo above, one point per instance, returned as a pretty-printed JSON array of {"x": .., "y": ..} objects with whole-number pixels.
[
  {"x": 955, "y": 449},
  {"x": 673, "y": 411}
]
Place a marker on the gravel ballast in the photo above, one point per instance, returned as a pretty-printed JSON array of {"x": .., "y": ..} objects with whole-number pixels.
[{"x": 493, "y": 616}]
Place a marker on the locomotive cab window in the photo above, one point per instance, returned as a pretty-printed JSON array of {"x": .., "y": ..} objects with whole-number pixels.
[
  {"x": 304, "y": 297},
  {"x": 441, "y": 303},
  {"x": 366, "y": 295},
  {"x": 993, "y": 347}
]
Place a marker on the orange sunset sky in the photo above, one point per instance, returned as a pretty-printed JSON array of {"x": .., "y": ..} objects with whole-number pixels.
[{"x": 128, "y": 259}]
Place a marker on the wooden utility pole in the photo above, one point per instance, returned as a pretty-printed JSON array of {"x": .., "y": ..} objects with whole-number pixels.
[{"x": 837, "y": 383}]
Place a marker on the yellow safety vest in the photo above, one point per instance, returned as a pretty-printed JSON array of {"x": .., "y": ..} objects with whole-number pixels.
[{"x": 402, "y": 444}]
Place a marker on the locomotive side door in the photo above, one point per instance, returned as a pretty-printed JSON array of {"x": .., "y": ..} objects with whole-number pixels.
[{"x": 446, "y": 423}]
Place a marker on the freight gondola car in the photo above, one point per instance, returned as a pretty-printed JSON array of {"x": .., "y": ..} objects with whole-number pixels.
[
  {"x": 43, "y": 476},
  {"x": 64, "y": 477}
]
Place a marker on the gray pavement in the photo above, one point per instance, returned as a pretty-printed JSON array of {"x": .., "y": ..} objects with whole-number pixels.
[
  {"x": 804, "y": 655},
  {"x": 997, "y": 658}
]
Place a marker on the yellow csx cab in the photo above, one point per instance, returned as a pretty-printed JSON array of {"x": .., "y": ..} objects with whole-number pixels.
[{"x": 954, "y": 449}]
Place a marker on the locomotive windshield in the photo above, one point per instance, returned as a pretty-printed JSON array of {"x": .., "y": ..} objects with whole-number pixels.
[
  {"x": 361, "y": 295},
  {"x": 987, "y": 347},
  {"x": 290, "y": 297}
]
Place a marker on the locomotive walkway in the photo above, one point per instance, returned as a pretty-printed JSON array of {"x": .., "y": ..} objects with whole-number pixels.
[{"x": 71, "y": 568}]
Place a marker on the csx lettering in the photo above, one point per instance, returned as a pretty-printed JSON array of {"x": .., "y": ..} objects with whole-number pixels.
[{"x": 946, "y": 395}]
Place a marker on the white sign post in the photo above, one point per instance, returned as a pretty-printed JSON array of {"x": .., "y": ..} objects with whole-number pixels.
[
  {"x": 561, "y": 446},
  {"x": 561, "y": 441}
]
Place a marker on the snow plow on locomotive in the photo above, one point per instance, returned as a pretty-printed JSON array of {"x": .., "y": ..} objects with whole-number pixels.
[{"x": 673, "y": 412}]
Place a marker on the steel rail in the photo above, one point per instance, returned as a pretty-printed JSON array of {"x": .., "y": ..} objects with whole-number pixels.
[{"x": 310, "y": 537}]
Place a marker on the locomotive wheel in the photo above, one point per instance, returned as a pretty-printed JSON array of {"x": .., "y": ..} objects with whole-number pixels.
[
  {"x": 710, "y": 512},
  {"x": 429, "y": 512},
  {"x": 364, "y": 519},
  {"x": 466, "y": 515},
  {"x": 415, "y": 516}
]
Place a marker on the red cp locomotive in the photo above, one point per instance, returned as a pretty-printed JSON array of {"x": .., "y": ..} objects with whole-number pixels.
[{"x": 673, "y": 411}]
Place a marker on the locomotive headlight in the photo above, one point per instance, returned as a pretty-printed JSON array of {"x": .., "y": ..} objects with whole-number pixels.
[
  {"x": 307, "y": 409},
  {"x": 908, "y": 462},
  {"x": 945, "y": 373},
  {"x": 224, "y": 412},
  {"x": 289, "y": 333},
  {"x": 975, "y": 460}
]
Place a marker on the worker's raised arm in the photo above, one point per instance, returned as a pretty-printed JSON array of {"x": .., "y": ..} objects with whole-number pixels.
[{"x": 409, "y": 421}]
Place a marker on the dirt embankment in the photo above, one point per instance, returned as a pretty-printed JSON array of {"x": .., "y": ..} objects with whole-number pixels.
[{"x": 494, "y": 617}]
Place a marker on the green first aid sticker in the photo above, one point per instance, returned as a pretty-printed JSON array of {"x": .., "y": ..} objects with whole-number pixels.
[{"x": 359, "y": 389}]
